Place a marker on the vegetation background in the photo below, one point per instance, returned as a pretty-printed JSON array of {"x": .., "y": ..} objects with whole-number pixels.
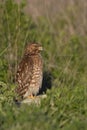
[{"x": 61, "y": 28}]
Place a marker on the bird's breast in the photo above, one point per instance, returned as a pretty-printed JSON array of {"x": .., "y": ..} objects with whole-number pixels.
[{"x": 37, "y": 72}]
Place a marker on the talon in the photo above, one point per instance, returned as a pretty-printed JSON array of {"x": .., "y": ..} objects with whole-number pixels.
[{"x": 31, "y": 96}]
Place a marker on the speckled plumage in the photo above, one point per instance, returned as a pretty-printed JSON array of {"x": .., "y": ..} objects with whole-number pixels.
[{"x": 29, "y": 73}]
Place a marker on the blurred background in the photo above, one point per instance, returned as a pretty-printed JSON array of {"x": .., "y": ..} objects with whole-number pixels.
[{"x": 60, "y": 26}]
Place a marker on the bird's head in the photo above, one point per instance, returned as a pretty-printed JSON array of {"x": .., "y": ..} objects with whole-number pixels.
[{"x": 33, "y": 48}]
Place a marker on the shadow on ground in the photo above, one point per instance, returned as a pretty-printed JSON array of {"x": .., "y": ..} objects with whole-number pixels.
[{"x": 46, "y": 83}]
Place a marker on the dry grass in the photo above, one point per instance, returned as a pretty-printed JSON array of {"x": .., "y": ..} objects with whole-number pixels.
[{"x": 73, "y": 11}]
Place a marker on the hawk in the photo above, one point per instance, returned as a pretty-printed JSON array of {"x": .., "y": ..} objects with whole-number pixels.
[{"x": 29, "y": 74}]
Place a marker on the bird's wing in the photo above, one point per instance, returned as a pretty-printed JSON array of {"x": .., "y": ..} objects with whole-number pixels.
[{"x": 24, "y": 75}]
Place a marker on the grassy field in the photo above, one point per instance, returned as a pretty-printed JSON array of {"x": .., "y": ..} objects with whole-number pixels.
[{"x": 63, "y": 35}]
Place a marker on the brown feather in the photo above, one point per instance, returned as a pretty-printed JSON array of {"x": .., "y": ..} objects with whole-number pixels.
[{"x": 29, "y": 73}]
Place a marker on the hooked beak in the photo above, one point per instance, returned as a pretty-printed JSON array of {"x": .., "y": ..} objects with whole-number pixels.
[{"x": 40, "y": 48}]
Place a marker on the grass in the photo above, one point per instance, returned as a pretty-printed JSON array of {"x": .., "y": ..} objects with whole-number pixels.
[
  {"x": 64, "y": 108},
  {"x": 65, "y": 69}
]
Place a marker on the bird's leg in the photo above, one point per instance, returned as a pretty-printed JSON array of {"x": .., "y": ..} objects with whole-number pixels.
[{"x": 31, "y": 96}]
